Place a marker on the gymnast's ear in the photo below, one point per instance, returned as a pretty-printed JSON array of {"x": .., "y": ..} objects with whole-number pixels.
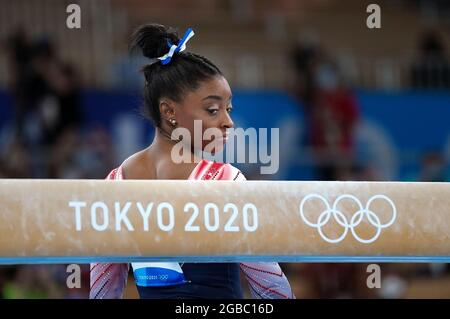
[{"x": 167, "y": 109}]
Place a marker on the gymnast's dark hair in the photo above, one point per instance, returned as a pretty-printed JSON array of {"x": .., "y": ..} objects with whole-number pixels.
[{"x": 183, "y": 73}]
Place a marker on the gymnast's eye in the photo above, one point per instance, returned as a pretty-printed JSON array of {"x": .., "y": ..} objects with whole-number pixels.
[{"x": 213, "y": 111}]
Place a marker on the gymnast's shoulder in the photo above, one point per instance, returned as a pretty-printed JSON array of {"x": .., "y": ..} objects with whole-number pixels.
[
  {"x": 148, "y": 164},
  {"x": 140, "y": 165}
]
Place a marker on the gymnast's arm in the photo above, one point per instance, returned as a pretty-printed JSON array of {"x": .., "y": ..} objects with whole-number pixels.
[
  {"x": 108, "y": 281},
  {"x": 266, "y": 280}
]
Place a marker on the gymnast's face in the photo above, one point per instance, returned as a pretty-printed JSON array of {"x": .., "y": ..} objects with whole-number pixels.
[{"x": 211, "y": 104}]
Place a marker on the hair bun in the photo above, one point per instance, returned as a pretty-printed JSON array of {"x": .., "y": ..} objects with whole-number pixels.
[{"x": 152, "y": 39}]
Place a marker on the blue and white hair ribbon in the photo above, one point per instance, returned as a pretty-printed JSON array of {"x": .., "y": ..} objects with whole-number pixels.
[{"x": 176, "y": 48}]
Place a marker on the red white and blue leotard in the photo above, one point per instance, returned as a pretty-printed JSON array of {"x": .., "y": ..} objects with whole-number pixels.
[{"x": 266, "y": 279}]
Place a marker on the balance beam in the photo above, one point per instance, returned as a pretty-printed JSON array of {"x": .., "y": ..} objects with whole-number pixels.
[{"x": 82, "y": 221}]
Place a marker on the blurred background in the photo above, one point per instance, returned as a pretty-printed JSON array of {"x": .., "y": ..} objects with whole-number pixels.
[{"x": 351, "y": 103}]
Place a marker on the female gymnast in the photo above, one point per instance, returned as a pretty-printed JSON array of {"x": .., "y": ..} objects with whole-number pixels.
[{"x": 182, "y": 87}]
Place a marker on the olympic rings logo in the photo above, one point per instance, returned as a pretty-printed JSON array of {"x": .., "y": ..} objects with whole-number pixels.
[
  {"x": 355, "y": 220},
  {"x": 163, "y": 277}
]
